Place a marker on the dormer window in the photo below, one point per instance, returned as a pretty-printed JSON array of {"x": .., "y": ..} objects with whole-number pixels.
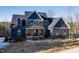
[
  {"x": 19, "y": 21},
  {"x": 23, "y": 23}
]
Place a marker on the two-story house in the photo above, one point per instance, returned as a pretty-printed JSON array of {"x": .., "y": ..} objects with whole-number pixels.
[{"x": 37, "y": 25}]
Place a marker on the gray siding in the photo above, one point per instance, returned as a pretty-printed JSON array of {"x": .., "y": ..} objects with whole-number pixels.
[{"x": 62, "y": 32}]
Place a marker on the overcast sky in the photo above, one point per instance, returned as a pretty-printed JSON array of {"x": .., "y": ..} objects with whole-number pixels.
[{"x": 6, "y": 12}]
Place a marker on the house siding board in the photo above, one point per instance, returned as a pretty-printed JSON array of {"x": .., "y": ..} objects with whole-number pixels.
[
  {"x": 13, "y": 32},
  {"x": 61, "y": 32},
  {"x": 23, "y": 32}
]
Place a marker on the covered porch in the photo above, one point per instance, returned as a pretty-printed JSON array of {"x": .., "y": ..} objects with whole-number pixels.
[{"x": 35, "y": 33}]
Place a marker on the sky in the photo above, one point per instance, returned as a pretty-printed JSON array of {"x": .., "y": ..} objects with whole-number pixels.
[{"x": 6, "y": 12}]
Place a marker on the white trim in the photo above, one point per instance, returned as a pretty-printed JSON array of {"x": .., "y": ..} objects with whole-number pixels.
[
  {"x": 34, "y": 36},
  {"x": 35, "y": 27},
  {"x": 37, "y": 14},
  {"x": 61, "y": 28},
  {"x": 65, "y": 22},
  {"x": 18, "y": 17}
]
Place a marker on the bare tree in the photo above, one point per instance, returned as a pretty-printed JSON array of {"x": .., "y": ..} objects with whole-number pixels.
[
  {"x": 70, "y": 19},
  {"x": 77, "y": 22},
  {"x": 74, "y": 20}
]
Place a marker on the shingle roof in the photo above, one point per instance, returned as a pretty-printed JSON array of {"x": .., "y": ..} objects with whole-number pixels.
[
  {"x": 42, "y": 15},
  {"x": 15, "y": 16},
  {"x": 50, "y": 20},
  {"x": 27, "y": 14},
  {"x": 55, "y": 20}
]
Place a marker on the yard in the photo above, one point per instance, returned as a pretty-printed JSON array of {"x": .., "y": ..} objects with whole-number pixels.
[{"x": 44, "y": 46}]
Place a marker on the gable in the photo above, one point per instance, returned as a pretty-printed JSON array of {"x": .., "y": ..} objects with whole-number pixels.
[
  {"x": 28, "y": 13},
  {"x": 14, "y": 18},
  {"x": 61, "y": 23},
  {"x": 34, "y": 16}
]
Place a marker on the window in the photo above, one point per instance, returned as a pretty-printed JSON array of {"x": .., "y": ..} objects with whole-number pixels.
[
  {"x": 19, "y": 32},
  {"x": 30, "y": 22},
  {"x": 23, "y": 23},
  {"x": 40, "y": 32},
  {"x": 35, "y": 22},
  {"x": 56, "y": 32},
  {"x": 64, "y": 32},
  {"x": 34, "y": 31},
  {"x": 40, "y": 23},
  {"x": 19, "y": 21}
]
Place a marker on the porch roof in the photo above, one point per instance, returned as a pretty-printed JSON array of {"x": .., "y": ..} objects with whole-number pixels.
[{"x": 35, "y": 27}]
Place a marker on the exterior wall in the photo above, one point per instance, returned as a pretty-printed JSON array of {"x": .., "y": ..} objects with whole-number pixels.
[
  {"x": 18, "y": 32},
  {"x": 61, "y": 32},
  {"x": 34, "y": 22},
  {"x": 13, "y": 32},
  {"x": 47, "y": 33},
  {"x": 45, "y": 24},
  {"x": 37, "y": 24},
  {"x": 23, "y": 32}
]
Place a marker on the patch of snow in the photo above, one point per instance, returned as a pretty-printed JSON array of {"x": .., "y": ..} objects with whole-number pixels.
[{"x": 3, "y": 44}]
